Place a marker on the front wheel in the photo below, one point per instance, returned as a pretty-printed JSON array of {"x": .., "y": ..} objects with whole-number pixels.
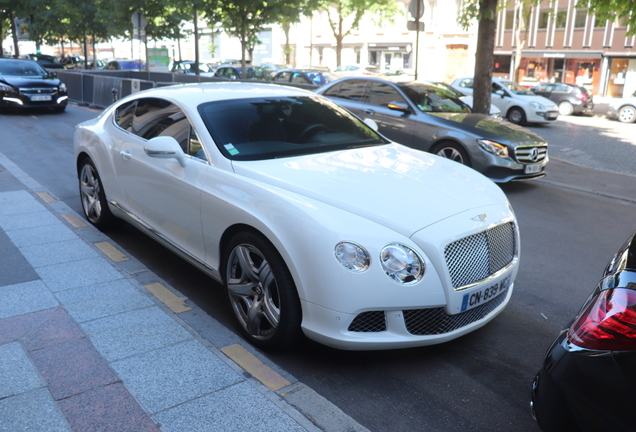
[
  {"x": 516, "y": 116},
  {"x": 262, "y": 292},
  {"x": 627, "y": 114},
  {"x": 452, "y": 151},
  {"x": 93, "y": 198}
]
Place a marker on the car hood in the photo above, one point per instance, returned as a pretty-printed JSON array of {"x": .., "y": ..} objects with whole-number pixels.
[
  {"x": 397, "y": 187},
  {"x": 30, "y": 82},
  {"x": 490, "y": 128}
]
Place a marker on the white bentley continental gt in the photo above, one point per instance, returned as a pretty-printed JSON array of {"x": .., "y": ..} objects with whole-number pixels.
[{"x": 314, "y": 223}]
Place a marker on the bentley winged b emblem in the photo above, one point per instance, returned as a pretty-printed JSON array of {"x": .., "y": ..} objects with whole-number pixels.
[{"x": 480, "y": 218}]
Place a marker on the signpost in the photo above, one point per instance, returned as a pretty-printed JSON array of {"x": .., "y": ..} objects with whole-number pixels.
[
  {"x": 139, "y": 24},
  {"x": 416, "y": 9}
]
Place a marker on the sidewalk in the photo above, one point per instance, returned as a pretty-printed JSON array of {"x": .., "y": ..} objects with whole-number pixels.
[{"x": 91, "y": 340}]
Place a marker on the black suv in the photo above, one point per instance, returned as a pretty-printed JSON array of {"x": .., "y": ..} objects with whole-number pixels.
[
  {"x": 571, "y": 99},
  {"x": 25, "y": 84}
]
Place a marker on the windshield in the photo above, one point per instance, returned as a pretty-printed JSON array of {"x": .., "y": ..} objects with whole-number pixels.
[
  {"x": 22, "y": 68},
  {"x": 513, "y": 88},
  {"x": 321, "y": 78},
  {"x": 272, "y": 127},
  {"x": 431, "y": 98}
]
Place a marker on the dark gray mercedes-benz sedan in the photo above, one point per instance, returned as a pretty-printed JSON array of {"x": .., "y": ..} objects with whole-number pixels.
[{"x": 427, "y": 117}]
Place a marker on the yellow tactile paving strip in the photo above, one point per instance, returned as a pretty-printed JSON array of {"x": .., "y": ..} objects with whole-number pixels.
[
  {"x": 168, "y": 297},
  {"x": 46, "y": 197},
  {"x": 254, "y": 366},
  {"x": 74, "y": 220},
  {"x": 111, "y": 251}
]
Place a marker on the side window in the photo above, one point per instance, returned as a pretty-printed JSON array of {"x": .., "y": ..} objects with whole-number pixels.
[
  {"x": 298, "y": 78},
  {"x": 333, "y": 90},
  {"x": 282, "y": 77},
  {"x": 124, "y": 115},
  {"x": 352, "y": 89},
  {"x": 382, "y": 94},
  {"x": 467, "y": 83}
]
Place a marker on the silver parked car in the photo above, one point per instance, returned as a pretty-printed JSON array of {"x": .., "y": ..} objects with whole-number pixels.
[
  {"x": 623, "y": 110},
  {"x": 427, "y": 117}
]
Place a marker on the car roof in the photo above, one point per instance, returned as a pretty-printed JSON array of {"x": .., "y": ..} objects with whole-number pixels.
[{"x": 195, "y": 94}]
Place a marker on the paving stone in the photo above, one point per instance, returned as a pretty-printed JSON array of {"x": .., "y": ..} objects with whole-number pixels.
[
  {"x": 17, "y": 373},
  {"x": 34, "y": 411},
  {"x": 75, "y": 274},
  {"x": 97, "y": 301},
  {"x": 237, "y": 408},
  {"x": 72, "y": 367},
  {"x": 57, "y": 253},
  {"x": 132, "y": 333},
  {"x": 24, "y": 298},
  {"x": 170, "y": 376}
]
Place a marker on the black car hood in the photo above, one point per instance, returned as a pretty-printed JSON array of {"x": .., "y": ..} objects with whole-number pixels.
[
  {"x": 490, "y": 128},
  {"x": 30, "y": 82}
]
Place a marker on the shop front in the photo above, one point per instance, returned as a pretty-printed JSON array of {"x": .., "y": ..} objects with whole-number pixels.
[
  {"x": 583, "y": 69},
  {"x": 621, "y": 77}
]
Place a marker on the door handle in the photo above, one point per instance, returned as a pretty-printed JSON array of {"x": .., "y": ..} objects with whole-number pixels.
[
  {"x": 125, "y": 154},
  {"x": 369, "y": 111}
]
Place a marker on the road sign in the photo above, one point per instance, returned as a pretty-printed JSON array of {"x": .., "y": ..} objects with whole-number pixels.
[
  {"x": 139, "y": 20},
  {"x": 416, "y": 8},
  {"x": 412, "y": 26}
]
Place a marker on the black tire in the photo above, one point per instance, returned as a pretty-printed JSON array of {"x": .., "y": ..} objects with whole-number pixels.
[
  {"x": 516, "y": 116},
  {"x": 261, "y": 292},
  {"x": 92, "y": 196},
  {"x": 566, "y": 108},
  {"x": 627, "y": 114},
  {"x": 452, "y": 151}
]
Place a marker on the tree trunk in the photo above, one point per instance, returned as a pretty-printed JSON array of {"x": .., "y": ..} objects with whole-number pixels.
[
  {"x": 286, "y": 28},
  {"x": 482, "y": 87},
  {"x": 14, "y": 32},
  {"x": 243, "y": 46},
  {"x": 339, "y": 38},
  {"x": 520, "y": 42},
  {"x": 1, "y": 47}
]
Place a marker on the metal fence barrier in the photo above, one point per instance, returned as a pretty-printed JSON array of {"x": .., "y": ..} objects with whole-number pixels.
[{"x": 99, "y": 89}]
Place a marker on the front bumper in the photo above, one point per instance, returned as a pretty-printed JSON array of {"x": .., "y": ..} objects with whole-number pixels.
[
  {"x": 534, "y": 116},
  {"x": 19, "y": 100}
]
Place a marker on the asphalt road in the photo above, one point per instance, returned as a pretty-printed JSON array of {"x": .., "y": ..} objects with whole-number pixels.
[{"x": 571, "y": 223}]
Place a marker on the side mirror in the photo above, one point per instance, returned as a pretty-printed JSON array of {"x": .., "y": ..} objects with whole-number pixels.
[
  {"x": 373, "y": 125},
  {"x": 166, "y": 147},
  {"x": 501, "y": 93},
  {"x": 399, "y": 106}
]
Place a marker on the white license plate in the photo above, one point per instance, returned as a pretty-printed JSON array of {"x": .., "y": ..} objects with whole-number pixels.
[
  {"x": 480, "y": 297},
  {"x": 40, "y": 98},
  {"x": 532, "y": 169},
  {"x": 551, "y": 115}
]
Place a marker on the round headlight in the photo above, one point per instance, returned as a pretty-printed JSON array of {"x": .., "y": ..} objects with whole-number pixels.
[
  {"x": 352, "y": 256},
  {"x": 402, "y": 264}
]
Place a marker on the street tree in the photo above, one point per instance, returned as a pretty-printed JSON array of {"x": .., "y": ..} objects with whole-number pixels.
[
  {"x": 245, "y": 19},
  {"x": 485, "y": 11},
  {"x": 345, "y": 16},
  {"x": 612, "y": 9}
]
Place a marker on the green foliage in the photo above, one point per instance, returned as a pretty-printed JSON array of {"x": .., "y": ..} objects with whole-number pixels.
[{"x": 612, "y": 10}]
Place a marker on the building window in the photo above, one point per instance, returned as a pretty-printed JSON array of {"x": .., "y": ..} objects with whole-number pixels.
[
  {"x": 510, "y": 20},
  {"x": 559, "y": 18},
  {"x": 580, "y": 18}
]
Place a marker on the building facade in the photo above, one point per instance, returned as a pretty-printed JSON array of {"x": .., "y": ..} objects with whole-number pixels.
[{"x": 564, "y": 43}]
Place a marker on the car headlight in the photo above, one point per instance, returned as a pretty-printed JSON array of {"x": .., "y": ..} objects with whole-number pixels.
[
  {"x": 496, "y": 115},
  {"x": 537, "y": 105},
  {"x": 493, "y": 147},
  {"x": 62, "y": 87},
  {"x": 5, "y": 88},
  {"x": 402, "y": 264},
  {"x": 352, "y": 256}
]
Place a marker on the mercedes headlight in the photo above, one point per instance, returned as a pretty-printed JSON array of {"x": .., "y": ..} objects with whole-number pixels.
[
  {"x": 493, "y": 147},
  {"x": 537, "y": 105},
  {"x": 352, "y": 256},
  {"x": 402, "y": 264}
]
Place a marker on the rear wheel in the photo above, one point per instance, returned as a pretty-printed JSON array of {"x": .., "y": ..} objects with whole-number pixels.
[
  {"x": 262, "y": 292},
  {"x": 452, "y": 151},
  {"x": 516, "y": 116},
  {"x": 566, "y": 108},
  {"x": 93, "y": 198},
  {"x": 627, "y": 114}
]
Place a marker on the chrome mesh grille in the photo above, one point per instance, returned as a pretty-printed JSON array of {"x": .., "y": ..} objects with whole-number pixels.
[
  {"x": 368, "y": 322},
  {"x": 480, "y": 255},
  {"x": 436, "y": 321},
  {"x": 532, "y": 154},
  {"x": 38, "y": 91}
]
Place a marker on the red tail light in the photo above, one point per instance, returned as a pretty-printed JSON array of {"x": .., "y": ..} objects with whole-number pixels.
[
  {"x": 582, "y": 97},
  {"x": 608, "y": 323}
]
